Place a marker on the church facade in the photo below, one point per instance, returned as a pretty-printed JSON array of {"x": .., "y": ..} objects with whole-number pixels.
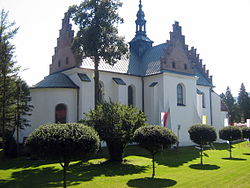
[{"x": 168, "y": 82}]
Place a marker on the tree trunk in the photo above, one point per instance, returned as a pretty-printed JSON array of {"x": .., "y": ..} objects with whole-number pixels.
[
  {"x": 65, "y": 167},
  {"x": 97, "y": 91},
  {"x": 115, "y": 151},
  {"x": 230, "y": 149},
  {"x": 3, "y": 109},
  {"x": 18, "y": 118},
  {"x": 201, "y": 154},
  {"x": 153, "y": 161}
]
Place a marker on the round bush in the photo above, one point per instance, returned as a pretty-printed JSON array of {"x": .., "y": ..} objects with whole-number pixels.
[
  {"x": 68, "y": 141},
  {"x": 154, "y": 138},
  {"x": 246, "y": 132},
  {"x": 230, "y": 133},
  {"x": 202, "y": 134}
]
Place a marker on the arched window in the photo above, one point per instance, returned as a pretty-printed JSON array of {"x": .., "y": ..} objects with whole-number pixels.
[
  {"x": 185, "y": 66},
  {"x": 173, "y": 65},
  {"x": 131, "y": 95},
  {"x": 61, "y": 113},
  {"x": 180, "y": 95},
  {"x": 203, "y": 100}
]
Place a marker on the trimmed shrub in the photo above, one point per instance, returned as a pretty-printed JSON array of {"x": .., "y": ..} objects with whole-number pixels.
[
  {"x": 155, "y": 139},
  {"x": 230, "y": 133},
  {"x": 202, "y": 134},
  {"x": 116, "y": 124},
  {"x": 63, "y": 142},
  {"x": 246, "y": 132}
]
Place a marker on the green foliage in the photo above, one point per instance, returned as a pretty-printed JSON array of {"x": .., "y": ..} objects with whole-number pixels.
[
  {"x": 68, "y": 142},
  {"x": 202, "y": 134},
  {"x": 154, "y": 138},
  {"x": 7, "y": 75},
  {"x": 244, "y": 103},
  {"x": 23, "y": 106},
  {"x": 246, "y": 132},
  {"x": 230, "y": 133},
  {"x": 233, "y": 108},
  {"x": 63, "y": 142},
  {"x": 97, "y": 37},
  {"x": 116, "y": 124}
]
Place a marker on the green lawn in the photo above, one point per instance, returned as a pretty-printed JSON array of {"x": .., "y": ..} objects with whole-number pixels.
[{"x": 174, "y": 169}]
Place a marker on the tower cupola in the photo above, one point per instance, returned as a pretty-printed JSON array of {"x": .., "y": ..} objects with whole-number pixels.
[{"x": 140, "y": 42}]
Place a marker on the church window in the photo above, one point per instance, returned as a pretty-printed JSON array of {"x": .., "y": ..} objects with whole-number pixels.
[
  {"x": 180, "y": 95},
  {"x": 60, "y": 113},
  {"x": 185, "y": 66},
  {"x": 119, "y": 81},
  {"x": 131, "y": 95},
  {"x": 173, "y": 65},
  {"x": 203, "y": 101},
  {"x": 59, "y": 63},
  {"x": 67, "y": 60}
]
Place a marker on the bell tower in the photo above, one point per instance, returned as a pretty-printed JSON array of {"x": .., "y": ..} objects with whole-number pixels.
[{"x": 140, "y": 42}]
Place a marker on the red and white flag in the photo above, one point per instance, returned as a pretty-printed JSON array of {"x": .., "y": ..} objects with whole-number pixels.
[{"x": 164, "y": 118}]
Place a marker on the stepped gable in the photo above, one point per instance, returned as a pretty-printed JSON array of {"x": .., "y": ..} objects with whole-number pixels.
[
  {"x": 176, "y": 54},
  {"x": 200, "y": 68},
  {"x": 63, "y": 57}
]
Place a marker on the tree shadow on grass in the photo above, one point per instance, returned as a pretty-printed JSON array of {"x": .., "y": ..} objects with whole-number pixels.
[
  {"x": 149, "y": 182},
  {"x": 22, "y": 163},
  {"x": 88, "y": 171},
  {"x": 173, "y": 158},
  {"x": 76, "y": 173},
  {"x": 204, "y": 167},
  {"x": 35, "y": 178},
  {"x": 246, "y": 153},
  {"x": 234, "y": 159}
]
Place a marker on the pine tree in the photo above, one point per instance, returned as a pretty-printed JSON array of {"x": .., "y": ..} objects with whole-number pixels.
[
  {"x": 97, "y": 37},
  {"x": 23, "y": 106},
  {"x": 8, "y": 73},
  {"x": 244, "y": 103},
  {"x": 232, "y": 106}
]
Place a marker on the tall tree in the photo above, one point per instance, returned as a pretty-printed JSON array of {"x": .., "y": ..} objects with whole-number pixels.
[
  {"x": 7, "y": 73},
  {"x": 244, "y": 103},
  {"x": 232, "y": 106},
  {"x": 97, "y": 37},
  {"x": 23, "y": 106},
  {"x": 116, "y": 124}
]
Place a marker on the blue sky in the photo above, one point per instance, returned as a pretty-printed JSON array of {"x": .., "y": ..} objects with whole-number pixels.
[{"x": 219, "y": 29}]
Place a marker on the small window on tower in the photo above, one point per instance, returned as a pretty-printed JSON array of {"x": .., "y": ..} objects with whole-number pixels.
[
  {"x": 67, "y": 60},
  {"x": 185, "y": 66}
]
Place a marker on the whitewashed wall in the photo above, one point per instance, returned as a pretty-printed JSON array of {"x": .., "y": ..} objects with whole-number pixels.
[
  {"x": 206, "y": 111},
  {"x": 113, "y": 91},
  {"x": 45, "y": 101},
  {"x": 218, "y": 115}
]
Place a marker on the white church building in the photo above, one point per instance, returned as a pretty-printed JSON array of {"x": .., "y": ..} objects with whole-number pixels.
[{"x": 168, "y": 78}]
